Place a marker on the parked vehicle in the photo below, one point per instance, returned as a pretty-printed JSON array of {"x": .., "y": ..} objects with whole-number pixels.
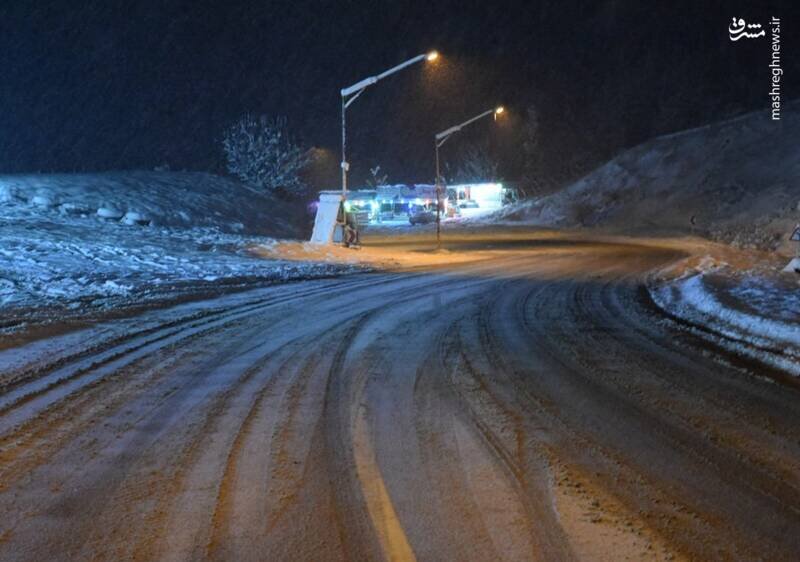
[
  {"x": 393, "y": 211},
  {"x": 423, "y": 216}
]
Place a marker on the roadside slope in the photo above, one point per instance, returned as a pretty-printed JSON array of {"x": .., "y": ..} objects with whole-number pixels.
[
  {"x": 72, "y": 245},
  {"x": 734, "y": 181}
]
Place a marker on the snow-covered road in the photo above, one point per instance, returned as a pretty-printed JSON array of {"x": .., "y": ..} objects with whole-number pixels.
[{"x": 530, "y": 405}]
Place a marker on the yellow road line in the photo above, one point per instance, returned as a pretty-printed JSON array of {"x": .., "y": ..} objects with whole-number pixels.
[{"x": 384, "y": 519}]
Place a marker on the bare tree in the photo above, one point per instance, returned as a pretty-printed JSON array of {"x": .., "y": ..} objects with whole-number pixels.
[
  {"x": 530, "y": 151},
  {"x": 376, "y": 177},
  {"x": 260, "y": 152},
  {"x": 475, "y": 166}
]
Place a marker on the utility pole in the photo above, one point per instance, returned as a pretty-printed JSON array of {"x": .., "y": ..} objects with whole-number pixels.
[
  {"x": 439, "y": 140},
  {"x": 349, "y": 95}
]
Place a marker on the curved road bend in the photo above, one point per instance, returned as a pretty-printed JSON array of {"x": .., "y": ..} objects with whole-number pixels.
[{"x": 531, "y": 406}]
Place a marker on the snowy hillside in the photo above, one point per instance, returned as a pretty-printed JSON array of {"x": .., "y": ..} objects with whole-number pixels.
[
  {"x": 172, "y": 199},
  {"x": 737, "y": 181},
  {"x": 83, "y": 241}
]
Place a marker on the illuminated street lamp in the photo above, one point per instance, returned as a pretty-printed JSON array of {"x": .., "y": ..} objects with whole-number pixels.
[
  {"x": 439, "y": 140},
  {"x": 350, "y": 94}
]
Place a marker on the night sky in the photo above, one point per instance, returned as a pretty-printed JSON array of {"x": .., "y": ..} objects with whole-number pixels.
[{"x": 104, "y": 85}]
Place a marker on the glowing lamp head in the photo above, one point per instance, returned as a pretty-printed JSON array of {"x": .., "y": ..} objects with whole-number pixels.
[
  {"x": 432, "y": 56},
  {"x": 499, "y": 110}
]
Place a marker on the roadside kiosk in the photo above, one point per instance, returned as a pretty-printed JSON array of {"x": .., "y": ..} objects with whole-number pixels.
[
  {"x": 794, "y": 264},
  {"x": 329, "y": 220},
  {"x": 333, "y": 223}
]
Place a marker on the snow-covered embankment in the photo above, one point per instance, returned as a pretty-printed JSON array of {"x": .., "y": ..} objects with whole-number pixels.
[
  {"x": 83, "y": 242},
  {"x": 753, "y": 317}
]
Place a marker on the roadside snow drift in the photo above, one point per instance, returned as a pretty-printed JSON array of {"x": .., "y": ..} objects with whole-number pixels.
[
  {"x": 753, "y": 317},
  {"x": 92, "y": 240}
]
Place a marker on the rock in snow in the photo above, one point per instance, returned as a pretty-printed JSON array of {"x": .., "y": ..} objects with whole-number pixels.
[
  {"x": 43, "y": 200},
  {"x": 134, "y": 217},
  {"x": 109, "y": 212}
]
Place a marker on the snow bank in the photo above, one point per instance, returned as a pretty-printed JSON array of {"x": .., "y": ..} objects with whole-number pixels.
[
  {"x": 759, "y": 319},
  {"x": 88, "y": 241},
  {"x": 58, "y": 262}
]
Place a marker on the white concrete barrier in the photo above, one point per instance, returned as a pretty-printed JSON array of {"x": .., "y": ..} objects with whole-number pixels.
[
  {"x": 793, "y": 267},
  {"x": 325, "y": 221}
]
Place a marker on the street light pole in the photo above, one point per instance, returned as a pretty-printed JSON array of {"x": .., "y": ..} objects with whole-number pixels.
[
  {"x": 439, "y": 140},
  {"x": 438, "y": 200},
  {"x": 345, "y": 165},
  {"x": 350, "y": 94}
]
